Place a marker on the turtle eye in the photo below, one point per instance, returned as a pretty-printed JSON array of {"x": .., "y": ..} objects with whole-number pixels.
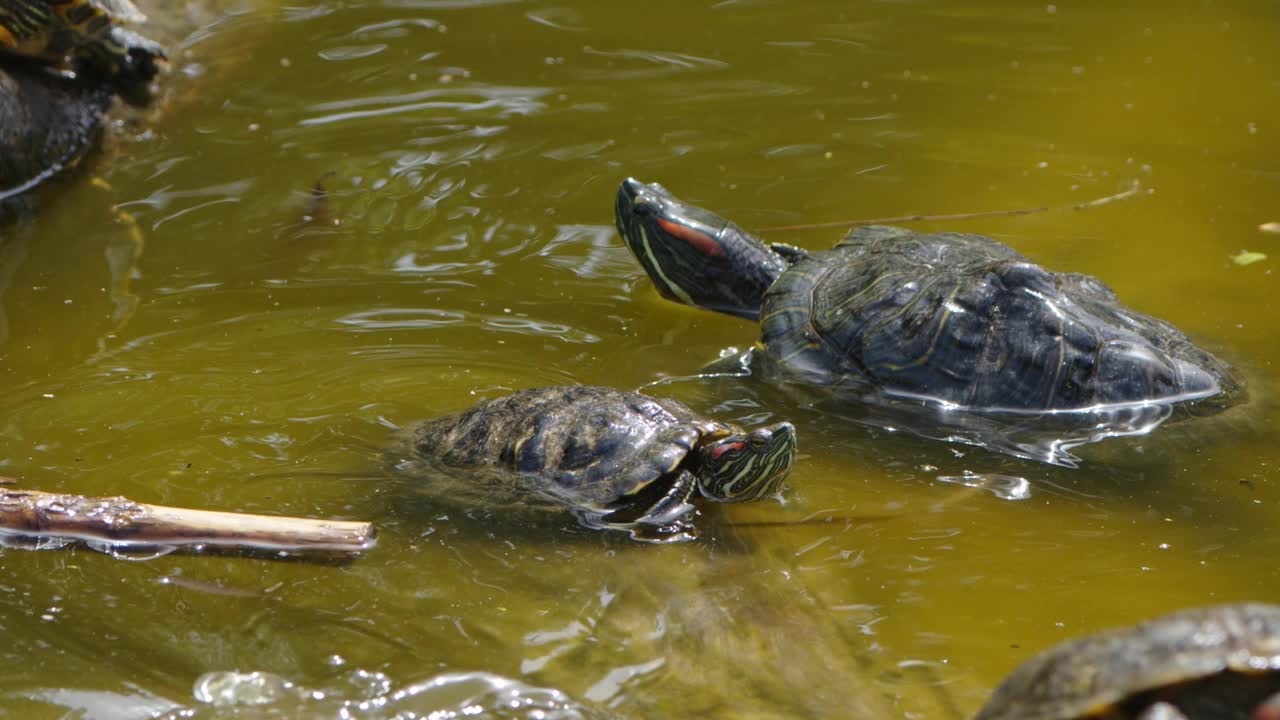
[
  {"x": 759, "y": 439},
  {"x": 641, "y": 208}
]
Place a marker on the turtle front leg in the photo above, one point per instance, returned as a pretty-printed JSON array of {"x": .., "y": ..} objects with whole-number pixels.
[
  {"x": 666, "y": 520},
  {"x": 1161, "y": 711},
  {"x": 674, "y": 503}
]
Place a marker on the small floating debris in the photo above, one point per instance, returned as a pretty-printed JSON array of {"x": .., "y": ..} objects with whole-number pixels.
[
  {"x": 1247, "y": 257},
  {"x": 1005, "y": 487},
  {"x": 1270, "y": 227}
]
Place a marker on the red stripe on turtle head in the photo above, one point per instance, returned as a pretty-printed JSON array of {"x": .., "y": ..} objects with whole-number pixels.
[
  {"x": 703, "y": 242},
  {"x": 1269, "y": 709},
  {"x": 723, "y": 448}
]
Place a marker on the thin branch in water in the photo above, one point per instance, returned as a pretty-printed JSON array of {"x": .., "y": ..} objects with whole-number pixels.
[
  {"x": 1134, "y": 189},
  {"x": 828, "y": 520},
  {"x": 904, "y": 218},
  {"x": 122, "y": 524}
]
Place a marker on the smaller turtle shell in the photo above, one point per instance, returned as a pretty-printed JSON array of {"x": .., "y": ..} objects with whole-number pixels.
[
  {"x": 588, "y": 446},
  {"x": 1086, "y": 677}
]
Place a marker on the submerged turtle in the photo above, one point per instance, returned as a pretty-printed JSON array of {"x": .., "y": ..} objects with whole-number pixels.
[
  {"x": 1217, "y": 663},
  {"x": 81, "y": 33},
  {"x": 961, "y": 320},
  {"x": 616, "y": 459}
]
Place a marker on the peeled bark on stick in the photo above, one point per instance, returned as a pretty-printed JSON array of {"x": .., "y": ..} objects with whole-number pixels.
[{"x": 124, "y": 524}]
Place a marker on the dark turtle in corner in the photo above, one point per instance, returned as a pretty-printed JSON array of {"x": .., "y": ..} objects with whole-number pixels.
[
  {"x": 616, "y": 460},
  {"x": 957, "y": 323},
  {"x": 47, "y": 125},
  {"x": 80, "y": 35},
  {"x": 1217, "y": 663},
  {"x": 49, "y": 121}
]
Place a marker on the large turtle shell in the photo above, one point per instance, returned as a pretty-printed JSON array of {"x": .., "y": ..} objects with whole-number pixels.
[
  {"x": 967, "y": 320},
  {"x": 1216, "y": 662},
  {"x": 586, "y": 446}
]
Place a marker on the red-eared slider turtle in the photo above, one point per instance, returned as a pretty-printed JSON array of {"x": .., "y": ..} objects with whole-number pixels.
[
  {"x": 616, "y": 459},
  {"x": 1217, "y": 663},
  {"x": 948, "y": 320},
  {"x": 85, "y": 34}
]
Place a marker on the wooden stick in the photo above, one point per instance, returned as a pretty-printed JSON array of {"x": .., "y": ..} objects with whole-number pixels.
[{"x": 123, "y": 523}]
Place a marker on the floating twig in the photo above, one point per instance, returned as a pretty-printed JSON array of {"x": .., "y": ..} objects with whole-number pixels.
[
  {"x": 123, "y": 524},
  {"x": 1134, "y": 188},
  {"x": 827, "y": 520}
]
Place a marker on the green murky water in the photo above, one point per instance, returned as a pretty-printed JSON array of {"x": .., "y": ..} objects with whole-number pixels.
[{"x": 229, "y": 355}]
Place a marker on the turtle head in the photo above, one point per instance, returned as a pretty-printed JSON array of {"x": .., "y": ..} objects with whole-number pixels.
[
  {"x": 692, "y": 255},
  {"x": 748, "y": 466}
]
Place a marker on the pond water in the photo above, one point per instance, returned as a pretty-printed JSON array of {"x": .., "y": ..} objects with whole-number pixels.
[{"x": 360, "y": 214}]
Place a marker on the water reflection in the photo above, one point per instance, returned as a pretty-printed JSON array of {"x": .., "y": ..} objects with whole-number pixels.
[
  {"x": 430, "y": 319},
  {"x": 364, "y": 695},
  {"x": 506, "y": 101},
  {"x": 588, "y": 251},
  {"x": 718, "y": 631},
  {"x": 95, "y": 704},
  {"x": 1048, "y": 437},
  {"x": 1045, "y": 436},
  {"x": 1005, "y": 487}
]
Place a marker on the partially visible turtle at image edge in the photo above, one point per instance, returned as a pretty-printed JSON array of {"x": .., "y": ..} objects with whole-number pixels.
[
  {"x": 81, "y": 34},
  {"x": 50, "y": 121},
  {"x": 1217, "y": 663},
  {"x": 47, "y": 125},
  {"x": 616, "y": 460},
  {"x": 957, "y": 319}
]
